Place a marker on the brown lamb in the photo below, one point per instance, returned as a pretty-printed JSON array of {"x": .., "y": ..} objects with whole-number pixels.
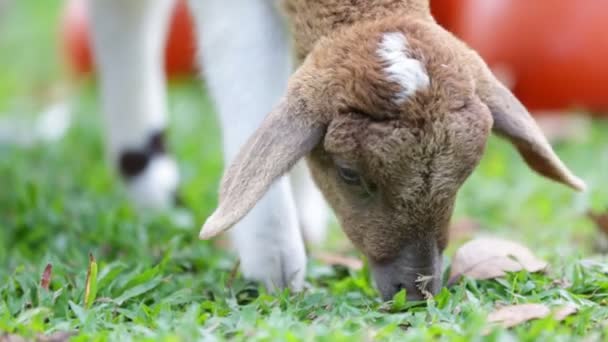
[{"x": 392, "y": 113}]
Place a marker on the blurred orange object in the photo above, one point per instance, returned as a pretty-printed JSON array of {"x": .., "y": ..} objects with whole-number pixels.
[
  {"x": 75, "y": 37},
  {"x": 554, "y": 51},
  {"x": 180, "y": 50}
]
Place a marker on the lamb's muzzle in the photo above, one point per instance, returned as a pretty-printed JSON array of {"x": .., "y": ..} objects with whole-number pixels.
[{"x": 417, "y": 269}]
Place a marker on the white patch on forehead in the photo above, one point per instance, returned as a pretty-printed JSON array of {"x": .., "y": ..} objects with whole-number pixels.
[{"x": 400, "y": 67}]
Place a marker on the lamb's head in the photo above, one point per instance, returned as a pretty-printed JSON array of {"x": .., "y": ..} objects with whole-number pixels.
[{"x": 393, "y": 117}]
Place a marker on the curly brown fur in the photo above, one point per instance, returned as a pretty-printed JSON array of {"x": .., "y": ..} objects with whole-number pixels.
[{"x": 313, "y": 19}]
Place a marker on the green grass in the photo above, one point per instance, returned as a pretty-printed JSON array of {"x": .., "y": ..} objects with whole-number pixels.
[{"x": 156, "y": 281}]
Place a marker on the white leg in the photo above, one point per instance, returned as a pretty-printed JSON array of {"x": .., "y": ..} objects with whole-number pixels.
[
  {"x": 128, "y": 42},
  {"x": 246, "y": 61},
  {"x": 313, "y": 211}
]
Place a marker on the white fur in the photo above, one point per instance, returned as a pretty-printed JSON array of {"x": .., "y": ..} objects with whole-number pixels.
[
  {"x": 400, "y": 67},
  {"x": 246, "y": 67},
  {"x": 313, "y": 211},
  {"x": 128, "y": 40},
  {"x": 151, "y": 188}
]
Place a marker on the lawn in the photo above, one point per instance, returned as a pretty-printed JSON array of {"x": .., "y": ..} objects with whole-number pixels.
[{"x": 60, "y": 203}]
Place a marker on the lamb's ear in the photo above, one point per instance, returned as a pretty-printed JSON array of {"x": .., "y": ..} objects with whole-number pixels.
[
  {"x": 513, "y": 122},
  {"x": 287, "y": 134}
]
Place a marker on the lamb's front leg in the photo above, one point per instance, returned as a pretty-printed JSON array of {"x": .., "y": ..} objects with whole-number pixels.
[
  {"x": 128, "y": 43},
  {"x": 246, "y": 61}
]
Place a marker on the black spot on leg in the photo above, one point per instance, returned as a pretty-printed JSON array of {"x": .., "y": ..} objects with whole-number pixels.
[{"x": 133, "y": 162}]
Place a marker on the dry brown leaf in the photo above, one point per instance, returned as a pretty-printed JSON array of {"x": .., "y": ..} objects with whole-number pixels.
[
  {"x": 11, "y": 338},
  {"x": 340, "y": 260},
  {"x": 463, "y": 229},
  {"x": 562, "y": 312},
  {"x": 60, "y": 336},
  {"x": 45, "y": 280},
  {"x": 487, "y": 258},
  {"x": 512, "y": 315}
]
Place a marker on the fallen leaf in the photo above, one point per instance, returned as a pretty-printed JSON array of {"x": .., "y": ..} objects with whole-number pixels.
[
  {"x": 11, "y": 338},
  {"x": 463, "y": 229},
  {"x": 561, "y": 313},
  {"x": 512, "y": 315},
  {"x": 487, "y": 258},
  {"x": 59, "y": 336},
  {"x": 45, "y": 280},
  {"x": 340, "y": 260}
]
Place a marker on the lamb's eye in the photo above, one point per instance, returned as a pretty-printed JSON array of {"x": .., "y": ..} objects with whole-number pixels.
[{"x": 349, "y": 176}]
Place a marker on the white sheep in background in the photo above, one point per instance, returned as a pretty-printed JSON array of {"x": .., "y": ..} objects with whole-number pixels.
[
  {"x": 391, "y": 112},
  {"x": 247, "y": 61}
]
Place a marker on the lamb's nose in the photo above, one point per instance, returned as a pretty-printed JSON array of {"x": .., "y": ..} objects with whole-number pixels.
[
  {"x": 418, "y": 273},
  {"x": 417, "y": 287}
]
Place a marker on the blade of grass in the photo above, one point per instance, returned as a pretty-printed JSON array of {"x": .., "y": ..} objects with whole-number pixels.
[{"x": 90, "y": 291}]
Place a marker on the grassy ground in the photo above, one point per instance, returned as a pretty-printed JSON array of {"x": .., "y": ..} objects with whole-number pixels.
[{"x": 156, "y": 281}]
